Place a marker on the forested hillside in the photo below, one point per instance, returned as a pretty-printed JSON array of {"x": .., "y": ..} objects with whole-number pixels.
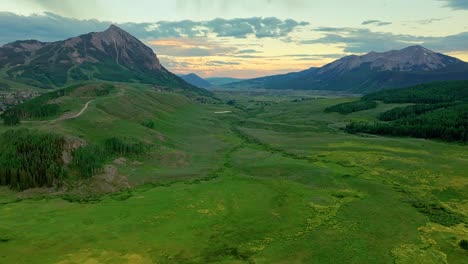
[
  {"x": 30, "y": 159},
  {"x": 440, "y": 111}
]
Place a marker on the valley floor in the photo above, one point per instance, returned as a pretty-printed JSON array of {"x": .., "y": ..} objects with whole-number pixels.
[{"x": 271, "y": 180}]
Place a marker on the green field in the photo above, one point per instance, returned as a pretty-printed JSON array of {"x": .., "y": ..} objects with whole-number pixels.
[{"x": 275, "y": 180}]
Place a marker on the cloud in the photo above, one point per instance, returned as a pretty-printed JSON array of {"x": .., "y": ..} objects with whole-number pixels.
[
  {"x": 221, "y": 63},
  {"x": 51, "y": 27},
  {"x": 67, "y": 7},
  {"x": 456, "y": 4},
  {"x": 376, "y": 23},
  {"x": 428, "y": 21},
  {"x": 361, "y": 40},
  {"x": 247, "y": 51},
  {"x": 256, "y": 26},
  {"x": 45, "y": 27},
  {"x": 190, "y": 47}
]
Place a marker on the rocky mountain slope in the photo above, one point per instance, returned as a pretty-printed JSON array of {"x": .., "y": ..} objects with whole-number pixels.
[
  {"x": 112, "y": 55},
  {"x": 370, "y": 72}
]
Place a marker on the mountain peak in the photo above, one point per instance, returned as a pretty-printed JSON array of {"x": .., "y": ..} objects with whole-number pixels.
[
  {"x": 126, "y": 50},
  {"x": 417, "y": 48},
  {"x": 196, "y": 80},
  {"x": 114, "y": 28},
  {"x": 414, "y": 47},
  {"x": 410, "y": 59}
]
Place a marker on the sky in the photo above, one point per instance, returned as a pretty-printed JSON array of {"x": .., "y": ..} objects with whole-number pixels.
[{"x": 249, "y": 38}]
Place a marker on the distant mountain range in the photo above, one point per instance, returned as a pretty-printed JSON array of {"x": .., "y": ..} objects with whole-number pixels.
[
  {"x": 112, "y": 55},
  {"x": 216, "y": 81},
  {"x": 373, "y": 71},
  {"x": 207, "y": 83},
  {"x": 115, "y": 55}
]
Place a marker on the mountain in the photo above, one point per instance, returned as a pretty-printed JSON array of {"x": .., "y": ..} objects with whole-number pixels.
[
  {"x": 222, "y": 80},
  {"x": 112, "y": 55},
  {"x": 370, "y": 72},
  {"x": 281, "y": 81},
  {"x": 207, "y": 83},
  {"x": 196, "y": 80}
]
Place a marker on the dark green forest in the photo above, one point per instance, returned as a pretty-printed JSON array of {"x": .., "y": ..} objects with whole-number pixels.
[
  {"x": 440, "y": 112},
  {"x": 411, "y": 111},
  {"x": 348, "y": 108},
  {"x": 450, "y": 124},
  {"x": 30, "y": 159},
  {"x": 428, "y": 93}
]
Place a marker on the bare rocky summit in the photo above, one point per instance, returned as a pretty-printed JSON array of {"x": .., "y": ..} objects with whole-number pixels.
[{"x": 413, "y": 58}]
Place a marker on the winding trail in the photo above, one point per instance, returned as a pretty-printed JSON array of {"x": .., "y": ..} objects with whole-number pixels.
[
  {"x": 121, "y": 92},
  {"x": 85, "y": 107},
  {"x": 81, "y": 112}
]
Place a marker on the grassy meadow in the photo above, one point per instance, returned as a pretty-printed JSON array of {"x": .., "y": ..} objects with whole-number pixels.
[{"x": 275, "y": 180}]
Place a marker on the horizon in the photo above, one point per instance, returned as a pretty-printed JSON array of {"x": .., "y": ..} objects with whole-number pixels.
[{"x": 249, "y": 42}]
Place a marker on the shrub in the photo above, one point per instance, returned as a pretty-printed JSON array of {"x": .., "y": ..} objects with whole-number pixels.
[
  {"x": 124, "y": 146},
  {"x": 148, "y": 124},
  {"x": 463, "y": 244}
]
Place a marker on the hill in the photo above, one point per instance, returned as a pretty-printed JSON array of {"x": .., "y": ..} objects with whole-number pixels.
[
  {"x": 217, "y": 81},
  {"x": 196, "y": 80},
  {"x": 112, "y": 55},
  {"x": 370, "y": 72},
  {"x": 77, "y": 130},
  {"x": 281, "y": 81}
]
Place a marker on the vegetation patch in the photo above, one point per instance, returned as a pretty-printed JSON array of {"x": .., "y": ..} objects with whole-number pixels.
[
  {"x": 148, "y": 123},
  {"x": 438, "y": 213},
  {"x": 348, "y": 108},
  {"x": 89, "y": 160},
  {"x": 4, "y": 86},
  {"x": 428, "y": 93},
  {"x": 463, "y": 244},
  {"x": 410, "y": 111},
  {"x": 124, "y": 146},
  {"x": 346, "y": 193},
  {"x": 448, "y": 124},
  {"x": 31, "y": 159},
  {"x": 4, "y": 238},
  {"x": 121, "y": 196},
  {"x": 87, "y": 199},
  {"x": 441, "y": 112}
]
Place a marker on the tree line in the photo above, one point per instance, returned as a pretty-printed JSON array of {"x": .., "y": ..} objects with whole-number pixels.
[
  {"x": 428, "y": 93},
  {"x": 351, "y": 107},
  {"x": 410, "y": 111},
  {"x": 431, "y": 126},
  {"x": 440, "y": 112}
]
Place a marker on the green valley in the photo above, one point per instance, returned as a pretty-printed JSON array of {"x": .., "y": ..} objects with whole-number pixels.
[
  {"x": 231, "y": 132},
  {"x": 266, "y": 179}
]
